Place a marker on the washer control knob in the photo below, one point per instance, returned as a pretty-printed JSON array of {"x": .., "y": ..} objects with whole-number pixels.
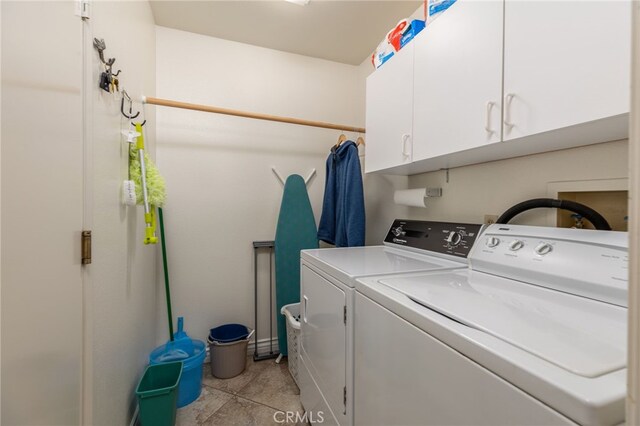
[
  {"x": 454, "y": 238},
  {"x": 543, "y": 248},
  {"x": 397, "y": 231},
  {"x": 492, "y": 242},
  {"x": 515, "y": 245}
]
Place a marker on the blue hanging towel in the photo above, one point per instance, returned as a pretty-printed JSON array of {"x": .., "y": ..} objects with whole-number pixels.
[{"x": 343, "y": 220}]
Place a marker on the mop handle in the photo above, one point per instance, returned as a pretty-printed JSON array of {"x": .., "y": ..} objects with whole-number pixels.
[
  {"x": 143, "y": 171},
  {"x": 166, "y": 273},
  {"x": 149, "y": 216}
]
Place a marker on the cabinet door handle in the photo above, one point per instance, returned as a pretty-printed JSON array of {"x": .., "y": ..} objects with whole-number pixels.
[
  {"x": 487, "y": 123},
  {"x": 305, "y": 300},
  {"x": 507, "y": 109},
  {"x": 406, "y": 138}
]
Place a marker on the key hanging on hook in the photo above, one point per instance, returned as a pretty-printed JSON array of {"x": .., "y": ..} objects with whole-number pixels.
[
  {"x": 108, "y": 79},
  {"x": 105, "y": 80}
]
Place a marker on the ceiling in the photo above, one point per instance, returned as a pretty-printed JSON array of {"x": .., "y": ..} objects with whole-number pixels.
[{"x": 340, "y": 31}]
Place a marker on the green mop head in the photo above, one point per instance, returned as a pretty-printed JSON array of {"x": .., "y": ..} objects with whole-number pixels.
[{"x": 155, "y": 182}]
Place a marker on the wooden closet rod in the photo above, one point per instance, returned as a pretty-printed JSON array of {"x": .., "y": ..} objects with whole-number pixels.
[{"x": 257, "y": 116}]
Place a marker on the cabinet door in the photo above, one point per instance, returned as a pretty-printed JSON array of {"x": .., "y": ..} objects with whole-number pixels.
[
  {"x": 565, "y": 63},
  {"x": 389, "y": 112},
  {"x": 458, "y": 80}
]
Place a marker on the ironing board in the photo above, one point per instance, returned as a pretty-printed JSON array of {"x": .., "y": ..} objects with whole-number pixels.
[{"x": 296, "y": 231}]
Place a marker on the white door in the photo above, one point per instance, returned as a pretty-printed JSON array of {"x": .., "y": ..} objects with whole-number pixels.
[
  {"x": 42, "y": 213},
  {"x": 458, "y": 80},
  {"x": 565, "y": 63},
  {"x": 323, "y": 335},
  {"x": 389, "y": 114}
]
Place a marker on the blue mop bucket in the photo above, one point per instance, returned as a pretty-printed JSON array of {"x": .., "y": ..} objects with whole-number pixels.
[
  {"x": 229, "y": 333},
  {"x": 192, "y": 353},
  {"x": 228, "y": 349}
]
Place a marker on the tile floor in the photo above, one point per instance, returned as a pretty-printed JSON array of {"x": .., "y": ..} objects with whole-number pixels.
[{"x": 252, "y": 398}]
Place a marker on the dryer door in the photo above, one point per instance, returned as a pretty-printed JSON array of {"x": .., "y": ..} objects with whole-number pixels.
[{"x": 323, "y": 335}]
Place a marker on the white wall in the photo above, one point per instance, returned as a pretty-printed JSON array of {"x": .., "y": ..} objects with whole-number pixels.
[
  {"x": 222, "y": 194},
  {"x": 493, "y": 187},
  {"x": 121, "y": 299}
]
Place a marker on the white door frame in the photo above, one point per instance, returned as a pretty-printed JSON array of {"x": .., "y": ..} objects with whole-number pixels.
[
  {"x": 633, "y": 372},
  {"x": 87, "y": 294}
]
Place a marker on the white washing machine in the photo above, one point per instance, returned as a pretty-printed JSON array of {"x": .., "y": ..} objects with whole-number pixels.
[
  {"x": 327, "y": 301},
  {"x": 534, "y": 332}
]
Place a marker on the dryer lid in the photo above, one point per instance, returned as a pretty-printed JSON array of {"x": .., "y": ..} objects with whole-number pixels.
[
  {"x": 345, "y": 264},
  {"x": 583, "y": 336}
]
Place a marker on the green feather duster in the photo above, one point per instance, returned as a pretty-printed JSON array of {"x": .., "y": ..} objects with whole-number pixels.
[{"x": 155, "y": 182}]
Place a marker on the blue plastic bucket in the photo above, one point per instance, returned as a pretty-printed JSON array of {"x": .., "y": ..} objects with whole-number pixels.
[
  {"x": 192, "y": 353},
  {"x": 229, "y": 333}
]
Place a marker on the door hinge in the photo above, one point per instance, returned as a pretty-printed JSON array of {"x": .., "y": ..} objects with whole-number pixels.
[
  {"x": 344, "y": 317},
  {"x": 344, "y": 398},
  {"x": 82, "y": 9},
  {"x": 86, "y": 247}
]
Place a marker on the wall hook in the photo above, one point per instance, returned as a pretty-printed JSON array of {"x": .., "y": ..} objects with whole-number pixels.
[
  {"x": 100, "y": 46},
  {"x": 125, "y": 95},
  {"x": 275, "y": 172},
  {"x": 311, "y": 175},
  {"x": 282, "y": 180}
]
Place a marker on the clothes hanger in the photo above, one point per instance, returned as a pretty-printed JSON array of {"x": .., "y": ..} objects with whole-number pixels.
[{"x": 343, "y": 137}]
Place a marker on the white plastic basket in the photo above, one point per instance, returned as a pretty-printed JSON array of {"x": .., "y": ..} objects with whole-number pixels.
[{"x": 292, "y": 313}]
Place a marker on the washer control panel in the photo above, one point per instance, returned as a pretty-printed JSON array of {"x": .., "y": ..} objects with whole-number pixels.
[
  {"x": 588, "y": 263},
  {"x": 541, "y": 248},
  {"x": 455, "y": 239}
]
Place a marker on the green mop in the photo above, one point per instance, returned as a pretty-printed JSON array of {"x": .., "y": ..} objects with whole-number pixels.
[
  {"x": 181, "y": 340},
  {"x": 150, "y": 191}
]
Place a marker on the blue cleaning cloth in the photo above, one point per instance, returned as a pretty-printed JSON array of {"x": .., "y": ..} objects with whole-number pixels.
[{"x": 343, "y": 219}]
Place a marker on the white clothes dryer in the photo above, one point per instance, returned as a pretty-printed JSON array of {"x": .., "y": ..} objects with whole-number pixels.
[{"x": 327, "y": 303}]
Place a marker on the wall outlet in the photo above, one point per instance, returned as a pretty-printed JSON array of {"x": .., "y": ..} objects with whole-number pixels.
[{"x": 490, "y": 218}]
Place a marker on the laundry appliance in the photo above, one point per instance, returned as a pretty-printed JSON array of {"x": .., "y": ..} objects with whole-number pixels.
[
  {"x": 327, "y": 303},
  {"x": 533, "y": 332}
]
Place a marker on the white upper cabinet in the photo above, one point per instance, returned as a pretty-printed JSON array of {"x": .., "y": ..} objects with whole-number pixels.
[
  {"x": 458, "y": 80},
  {"x": 389, "y": 115},
  {"x": 494, "y": 79},
  {"x": 565, "y": 63}
]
